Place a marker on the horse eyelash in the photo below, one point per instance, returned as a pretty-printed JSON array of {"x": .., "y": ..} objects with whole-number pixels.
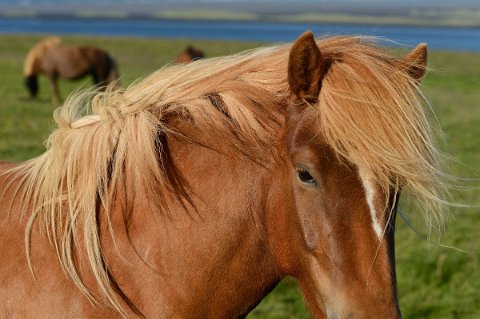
[{"x": 308, "y": 179}]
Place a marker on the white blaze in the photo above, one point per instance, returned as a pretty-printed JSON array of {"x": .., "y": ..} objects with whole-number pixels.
[{"x": 370, "y": 196}]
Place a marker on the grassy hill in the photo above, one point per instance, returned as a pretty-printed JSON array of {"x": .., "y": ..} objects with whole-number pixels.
[{"x": 437, "y": 278}]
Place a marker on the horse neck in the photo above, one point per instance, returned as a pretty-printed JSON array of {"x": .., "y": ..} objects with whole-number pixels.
[{"x": 220, "y": 245}]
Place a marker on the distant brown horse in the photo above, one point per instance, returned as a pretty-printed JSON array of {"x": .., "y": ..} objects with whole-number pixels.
[
  {"x": 190, "y": 54},
  {"x": 192, "y": 193},
  {"x": 54, "y": 60}
]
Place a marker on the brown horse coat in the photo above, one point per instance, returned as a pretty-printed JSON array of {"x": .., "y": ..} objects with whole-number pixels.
[
  {"x": 193, "y": 192},
  {"x": 190, "y": 54}
]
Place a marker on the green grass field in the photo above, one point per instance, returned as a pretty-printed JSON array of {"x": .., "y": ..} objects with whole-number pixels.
[{"x": 437, "y": 278}]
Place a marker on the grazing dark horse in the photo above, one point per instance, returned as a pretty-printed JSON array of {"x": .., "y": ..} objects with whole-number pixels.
[
  {"x": 191, "y": 194},
  {"x": 190, "y": 54},
  {"x": 54, "y": 60}
]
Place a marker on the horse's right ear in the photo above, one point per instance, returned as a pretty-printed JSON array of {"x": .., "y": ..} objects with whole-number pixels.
[
  {"x": 415, "y": 62},
  {"x": 306, "y": 68}
]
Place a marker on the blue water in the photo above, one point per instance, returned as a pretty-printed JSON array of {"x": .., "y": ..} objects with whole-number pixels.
[{"x": 445, "y": 38}]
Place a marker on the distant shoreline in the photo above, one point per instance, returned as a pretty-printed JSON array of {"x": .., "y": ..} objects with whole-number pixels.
[
  {"x": 438, "y": 38},
  {"x": 248, "y": 17}
]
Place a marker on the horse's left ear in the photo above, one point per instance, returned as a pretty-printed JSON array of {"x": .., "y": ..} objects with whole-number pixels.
[
  {"x": 306, "y": 68},
  {"x": 415, "y": 63}
]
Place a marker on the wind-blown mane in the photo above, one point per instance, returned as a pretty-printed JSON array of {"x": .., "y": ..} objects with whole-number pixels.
[
  {"x": 38, "y": 51},
  {"x": 370, "y": 114}
]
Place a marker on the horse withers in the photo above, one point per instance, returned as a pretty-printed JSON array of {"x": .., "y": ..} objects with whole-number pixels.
[
  {"x": 54, "y": 60},
  {"x": 191, "y": 194}
]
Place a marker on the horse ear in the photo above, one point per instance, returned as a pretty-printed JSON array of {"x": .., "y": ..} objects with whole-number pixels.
[
  {"x": 306, "y": 68},
  {"x": 415, "y": 63}
]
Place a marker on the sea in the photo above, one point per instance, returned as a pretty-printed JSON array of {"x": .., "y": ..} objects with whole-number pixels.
[{"x": 441, "y": 38}]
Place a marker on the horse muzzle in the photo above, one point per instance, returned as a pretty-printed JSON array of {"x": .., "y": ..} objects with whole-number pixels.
[{"x": 31, "y": 82}]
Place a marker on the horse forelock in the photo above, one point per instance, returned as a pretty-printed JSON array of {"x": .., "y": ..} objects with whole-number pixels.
[
  {"x": 372, "y": 113},
  {"x": 369, "y": 111}
]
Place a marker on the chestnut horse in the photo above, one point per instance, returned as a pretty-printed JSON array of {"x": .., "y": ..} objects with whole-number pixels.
[
  {"x": 190, "y": 54},
  {"x": 192, "y": 193},
  {"x": 54, "y": 60}
]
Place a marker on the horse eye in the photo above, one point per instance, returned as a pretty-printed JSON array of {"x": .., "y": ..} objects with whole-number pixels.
[{"x": 304, "y": 176}]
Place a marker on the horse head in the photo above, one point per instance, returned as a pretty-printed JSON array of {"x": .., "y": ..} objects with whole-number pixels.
[
  {"x": 31, "y": 83},
  {"x": 343, "y": 251},
  {"x": 113, "y": 75}
]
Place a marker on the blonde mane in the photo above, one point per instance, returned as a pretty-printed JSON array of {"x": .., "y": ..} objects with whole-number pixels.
[
  {"x": 370, "y": 113},
  {"x": 37, "y": 52}
]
